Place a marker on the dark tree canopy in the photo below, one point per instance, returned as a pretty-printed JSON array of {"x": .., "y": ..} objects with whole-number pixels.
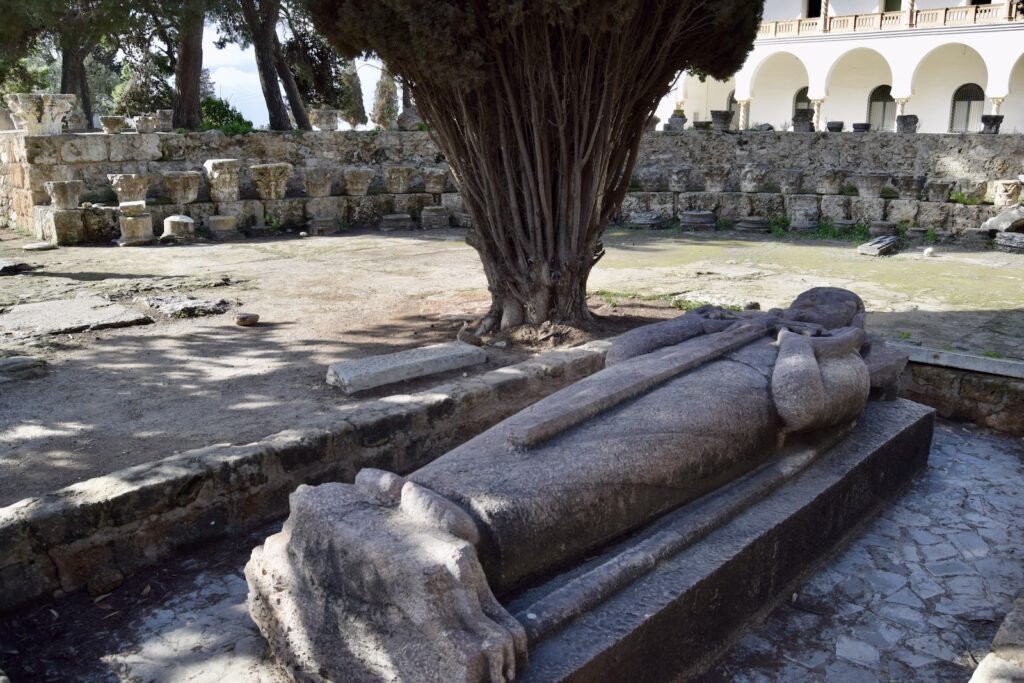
[{"x": 539, "y": 107}]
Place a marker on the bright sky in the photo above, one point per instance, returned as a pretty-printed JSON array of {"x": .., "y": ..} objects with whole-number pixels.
[{"x": 234, "y": 75}]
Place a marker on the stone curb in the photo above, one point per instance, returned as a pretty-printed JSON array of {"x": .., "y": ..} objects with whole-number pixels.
[
  {"x": 963, "y": 361},
  {"x": 94, "y": 533}
]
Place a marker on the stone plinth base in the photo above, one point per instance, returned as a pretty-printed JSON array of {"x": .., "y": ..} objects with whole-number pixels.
[{"x": 671, "y": 622}]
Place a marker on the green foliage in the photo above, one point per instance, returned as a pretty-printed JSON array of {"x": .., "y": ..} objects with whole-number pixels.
[
  {"x": 931, "y": 236},
  {"x": 961, "y": 198},
  {"x": 779, "y": 224},
  {"x": 903, "y": 336},
  {"x": 218, "y": 114},
  {"x": 385, "y": 102},
  {"x": 351, "y": 106},
  {"x": 143, "y": 89},
  {"x": 724, "y": 224},
  {"x": 849, "y": 190},
  {"x": 995, "y": 355},
  {"x": 26, "y": 75},
  {"x": 889, "y": 193},
  {"x": 319, "y": 71}
]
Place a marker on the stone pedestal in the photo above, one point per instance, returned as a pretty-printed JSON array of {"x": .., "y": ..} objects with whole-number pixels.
[
  {"x": 753, "y": 224},
  {"x": 129, "y": 187},
  {"x": 136, "y": 230},
  {"x": 397, "y": 178},
  {"x": 165, "y": 120},
  {"x": 40, "y": 114},
  {"x": 861, "y": 127},
  {"x": 803, "y": 211},
  {"x": 147, "y": 123},
  {"x": 645, "y": 220},
  {"x": 676, "y": 123},
  {"x": 991, "y": 123},
  {"x": 752, "y": 178},
  {"x": 223, "y": 228},
  {"x": 318, "y": 181},
  {"x": 410, "y": 119},
  {"x": 178, "y": 228},
  {"x": 906, "y": 124},
  {"x": 791, "y": 180},
  {"x": 434, "y": 218},
  {"x": 716, "y": 178},
  {"x": 803, "y": 121},
  {"x": 835, "y": 126},
  {"x": 222, "y": 175},
  {"x": 112, "y": 125},
  {"x": 357, "y": 181},
  {"x": 721, "y": 120},
  {"x": 271, "y": 179},
  {"x": 909, "y": 186},
  {"x": 64, "y": 194},
  {"x": 699, "y": 221},
  {"x": 435, "y": 180},
  {"x": 396, "y": 221},
  {"x": 869, "y": 185},
  {"x": 62, "y": 227},
  {"x": 831, "y": 181},
  {"x": 1006, "y": 192},
  {"x": 678, "y": 178},
  {"x": 652, "y": 179},
  {"x": 182, "y": 186},
  {"x": 937, "y": 190}
]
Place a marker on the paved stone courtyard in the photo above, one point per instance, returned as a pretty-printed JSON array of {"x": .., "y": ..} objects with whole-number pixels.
[{"x": 916, "y": 596}]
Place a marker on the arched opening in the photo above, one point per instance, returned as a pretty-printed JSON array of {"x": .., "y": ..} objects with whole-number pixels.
[
  {"x": 800, "y": 100},
  {"x": 937, "y": 77},
  {"x": 851, "y": 82},
  {"x": 774, "y": 82},
  {"x": 1013, "y": 106},
  {"x": 882, "y": 109},
  {"x": 734, "y": 107},
  {"x": 967, "y": 108}
]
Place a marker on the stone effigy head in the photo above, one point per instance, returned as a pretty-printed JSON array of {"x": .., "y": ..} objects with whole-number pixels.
[{"x": 829, "y": 307}]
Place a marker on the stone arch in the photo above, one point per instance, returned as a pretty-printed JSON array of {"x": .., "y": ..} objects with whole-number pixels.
[
  {"x": 937, "y": 76},
  {"x": 1013, "y": 105},
  {"x": 851, "y": 79},
  {"x": 774, "y": 83}
]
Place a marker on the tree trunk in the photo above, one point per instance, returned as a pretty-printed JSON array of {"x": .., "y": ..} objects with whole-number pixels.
[
  {"x": 263, "y": 25},
  {"x": 188, "y": 71},
  {"x": 74, "y": 80},
  {"x": 291, "y": 89}
]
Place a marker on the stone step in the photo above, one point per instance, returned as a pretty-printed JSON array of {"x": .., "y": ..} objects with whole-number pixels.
[{"x": 376, "y": 371}]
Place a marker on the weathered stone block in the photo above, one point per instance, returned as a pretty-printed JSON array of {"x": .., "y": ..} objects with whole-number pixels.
[
  {"x": 767, "y": 204},
  {"x": 327, "y": 207},
  {"x": 835, "y": 207},
  {"x": 59, "y": 226},
  {"x": 867, "y": 210},
  {"x": 660, "y": 203},
  {"x": 375, "y": 371},
  {"x": 87, "y": 148},
  {"x": 696, "y": 201},
  {"x": 289, "y": 213},
  {"x": 963, "y": 218},
  {"x": 932, "y": 214},
  {"x": 902, "y": 211},
  {"x": 138, "y": 147},
  {"x": 248, "y": 212},
  {"x": 412, "y": 204},
  {"x": 733, "y": 206},
  {"x": 368, "y": 210},
  {"x": 40, "y": 150}
]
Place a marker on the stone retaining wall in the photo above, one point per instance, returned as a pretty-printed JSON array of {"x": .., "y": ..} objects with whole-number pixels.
[
  {"x": 987, "y": 400},
  {"x": 92, "y": 534},
  {"x": 27, "y": 162}
]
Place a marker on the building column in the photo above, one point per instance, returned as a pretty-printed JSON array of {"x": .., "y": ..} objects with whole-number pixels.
[
  {"x": 824, "y": 16},
  {"x": 901, "y": 105},
  {"x": 908, "y": 16},
  {"x": 997, "y": 104},
  {"x": 816, "y": 105},
  {"x": 744, "y": 121}
]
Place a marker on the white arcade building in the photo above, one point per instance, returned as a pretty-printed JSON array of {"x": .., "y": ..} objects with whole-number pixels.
[{"x": 865, "y": 61}]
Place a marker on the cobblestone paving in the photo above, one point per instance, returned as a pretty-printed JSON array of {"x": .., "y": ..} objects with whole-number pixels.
[
  {"x": 920, "y": 593},
  {"x": 917, "y": 595}
]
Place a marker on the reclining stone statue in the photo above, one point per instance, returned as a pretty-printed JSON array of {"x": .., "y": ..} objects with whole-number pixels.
[{"x": 395, "y": 578}]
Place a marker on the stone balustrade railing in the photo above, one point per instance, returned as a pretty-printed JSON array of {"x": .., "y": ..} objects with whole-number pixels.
[{"x": 884, "y": 21}]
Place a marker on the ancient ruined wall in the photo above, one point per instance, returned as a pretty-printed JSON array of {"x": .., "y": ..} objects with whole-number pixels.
[{"x": 26, "y": 163}]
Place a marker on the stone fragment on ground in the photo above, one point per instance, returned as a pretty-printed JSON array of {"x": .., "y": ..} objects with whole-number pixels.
[
  {"x": 63, "y": 316},
  {"x": 376, "y": 371},
  {"x": 39, "y": 246},
  {"x": 880, "y": 246},
  {"x": 21, "y": 367},
  {"x": 187, "y": 306}
]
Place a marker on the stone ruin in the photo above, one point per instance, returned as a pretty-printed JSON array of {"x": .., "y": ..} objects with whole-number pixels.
[{"x": 630, "y": 522}]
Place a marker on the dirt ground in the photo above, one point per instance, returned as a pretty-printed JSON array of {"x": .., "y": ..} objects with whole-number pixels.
[{"x": 117, "y": 397}]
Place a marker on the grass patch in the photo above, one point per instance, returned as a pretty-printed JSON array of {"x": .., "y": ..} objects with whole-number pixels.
[
  {"x": 889, "y": 193},
  {"x": 724, "y": 224},
  {"x": 849, "y": 190},
  {"x": 995, "y": 355},
  {"x": 966, "y": 200},
  {"x": 613, "y": 298}
]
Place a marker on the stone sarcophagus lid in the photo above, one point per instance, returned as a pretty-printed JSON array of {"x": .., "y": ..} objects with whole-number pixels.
[{"x": 623, "y": 527}]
